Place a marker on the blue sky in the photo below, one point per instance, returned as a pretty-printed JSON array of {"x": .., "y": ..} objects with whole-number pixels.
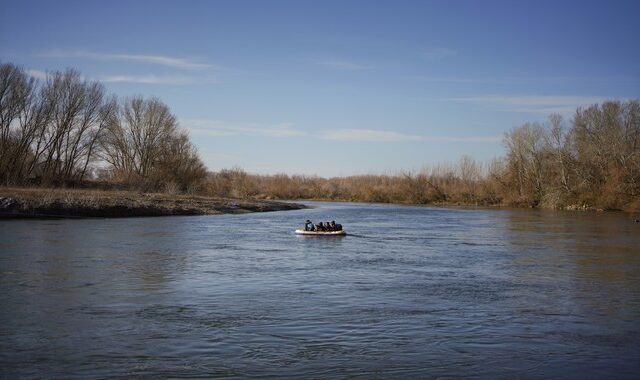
[{"x": 340, "y": 87}]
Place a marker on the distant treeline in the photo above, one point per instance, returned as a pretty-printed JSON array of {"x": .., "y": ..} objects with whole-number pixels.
[
  {"x": 590, "y": 162},
  {"x": 65, "y": 129}
]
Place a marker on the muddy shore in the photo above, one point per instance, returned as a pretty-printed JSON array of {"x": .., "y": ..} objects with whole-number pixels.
[{"x": 71, "y": 203}]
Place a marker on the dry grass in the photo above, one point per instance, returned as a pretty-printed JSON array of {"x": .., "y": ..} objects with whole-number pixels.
[{"x": 97, "y": 203}]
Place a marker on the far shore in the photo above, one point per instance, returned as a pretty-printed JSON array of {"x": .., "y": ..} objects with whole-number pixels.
[
  {"x": 81, "y": 203},
  {"x": 35, "y": 202}
]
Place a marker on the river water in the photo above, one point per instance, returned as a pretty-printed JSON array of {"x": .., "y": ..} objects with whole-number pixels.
[{"x": 412, "y": 291}]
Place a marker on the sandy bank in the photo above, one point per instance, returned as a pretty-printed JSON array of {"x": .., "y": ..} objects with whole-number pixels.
[{"x": 71, "y": 203}]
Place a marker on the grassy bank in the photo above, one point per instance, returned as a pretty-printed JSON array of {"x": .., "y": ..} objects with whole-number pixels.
[{"x": 69, "y": 203}]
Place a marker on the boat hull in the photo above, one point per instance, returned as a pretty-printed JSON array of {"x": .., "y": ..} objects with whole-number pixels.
[{"x": 321, "y": 233}]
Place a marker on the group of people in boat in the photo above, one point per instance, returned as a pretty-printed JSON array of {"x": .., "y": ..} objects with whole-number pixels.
[{"x": 326, "y": 226}]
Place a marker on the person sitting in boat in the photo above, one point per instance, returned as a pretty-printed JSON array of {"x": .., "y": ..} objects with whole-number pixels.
[
  {"x": 327, "y": 226},
  {"x": 308, "y": 225},
  {"x": 320, "y": 227},
  {"x": 335, "y": 227}
]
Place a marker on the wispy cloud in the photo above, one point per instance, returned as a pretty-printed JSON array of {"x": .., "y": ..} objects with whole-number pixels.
[
  {"x": 38, "y": 74},
  {"x": 154, "y": 79},
  {"x": 452, "y": 80},
  {"x": 162, "y": 60},
  {"x": 519, "y": 79},
  {"x": 372, "y": 135},
  {"x": 533, "y": 104},
  {"x": 141, "y": 79},
  {"x": 219, "y": 128},
  {"x": 367, "y": 135},
  {"x": 438, "y": 53},
  {"x": 342, "y": 64}
]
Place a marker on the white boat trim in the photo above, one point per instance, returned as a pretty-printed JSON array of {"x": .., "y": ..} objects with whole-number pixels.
[{"x": 321, "y": 233}]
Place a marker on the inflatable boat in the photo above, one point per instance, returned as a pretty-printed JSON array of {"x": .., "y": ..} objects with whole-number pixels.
[{"x": 321, "y": 233}]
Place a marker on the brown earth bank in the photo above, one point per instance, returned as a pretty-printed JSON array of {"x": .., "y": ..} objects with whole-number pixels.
[{"x": 75, "y": 203}]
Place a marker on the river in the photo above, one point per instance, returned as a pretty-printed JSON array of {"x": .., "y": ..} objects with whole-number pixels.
[{"x": 411, "y": 292}]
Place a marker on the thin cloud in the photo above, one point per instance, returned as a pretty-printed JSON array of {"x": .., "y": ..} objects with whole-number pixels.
[
  {"x": 451, "y": 80},
  {"x": 285, "y": 130},
  {"x": 518, "y": 79},
  {"x": 43, "y": 75},
  {"x": 140, "y": 79},
  {"x": 38, "y": 74},
  {"x": 438, "y": 53},
  {"x": 153, "y": 79},
  {"x": 342, "y": 65},
  {"x": 493, "y": 80},
  {"x": 533, "y": 104},
  {"x": 218, "y": 128},
  {"x": 161, "y": 60},
  {"x": 371, "y": 135},
  {"x": 532, "y": 100},
  {"x": 367, "y": 135}
]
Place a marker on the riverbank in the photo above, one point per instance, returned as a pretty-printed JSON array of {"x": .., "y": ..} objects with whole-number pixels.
[{"x": 73, "y": 203}]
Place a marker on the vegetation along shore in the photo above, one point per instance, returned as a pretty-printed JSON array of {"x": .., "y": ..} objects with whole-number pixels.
[{"x": 65, "y": 131}]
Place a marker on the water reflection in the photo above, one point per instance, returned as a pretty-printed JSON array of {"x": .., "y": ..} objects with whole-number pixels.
[{"x": 587, "y": 263}]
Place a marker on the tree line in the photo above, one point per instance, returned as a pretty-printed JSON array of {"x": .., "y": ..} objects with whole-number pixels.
[
  {"x": 64, "y": 129},
  {"x": 593, "y": 161},
  {"x": 589, "y": 162}
]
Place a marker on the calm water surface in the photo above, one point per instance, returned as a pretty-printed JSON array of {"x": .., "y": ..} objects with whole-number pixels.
[{"x": 413, "y": 291}]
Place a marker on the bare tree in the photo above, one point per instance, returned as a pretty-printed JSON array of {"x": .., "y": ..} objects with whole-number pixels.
[
  {"x": 181, "y": 165},
  {"x": 63, "y": 126},
  {"x": 607, "y": 145},
  {"x": 525, "y": 151},
  {"x": 559, "y": 143},
  {"x": 16, "y": 98},
  {"x": 470, "y": 175},
  {"x": 144, "y": 146},
  {"x": 134, "y": 139}
]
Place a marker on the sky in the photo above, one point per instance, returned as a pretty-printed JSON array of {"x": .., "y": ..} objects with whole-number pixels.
[{"x": 335, "y": 88}]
